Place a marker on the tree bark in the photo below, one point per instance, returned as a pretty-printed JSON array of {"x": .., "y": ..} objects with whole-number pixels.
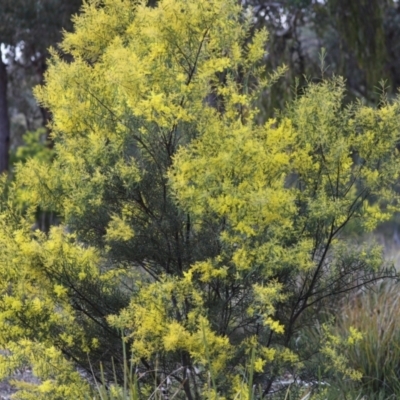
[{"x": 4, "y": 119}]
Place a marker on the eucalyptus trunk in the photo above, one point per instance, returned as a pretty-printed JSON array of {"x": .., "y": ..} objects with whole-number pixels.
[{"x": 4, "y": 119}]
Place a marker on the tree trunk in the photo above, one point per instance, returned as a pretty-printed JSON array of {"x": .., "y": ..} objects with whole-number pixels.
[{"x": 4, "y": 120}]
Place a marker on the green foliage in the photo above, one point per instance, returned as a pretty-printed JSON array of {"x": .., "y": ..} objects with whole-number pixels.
[
  {"x": 207, "y": 238},
  {"x": 59, "y": 379},
  {"x": 36, "y": 145}
]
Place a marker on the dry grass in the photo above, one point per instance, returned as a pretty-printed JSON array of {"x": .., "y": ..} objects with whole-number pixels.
[{"x": 376, "y": 314}]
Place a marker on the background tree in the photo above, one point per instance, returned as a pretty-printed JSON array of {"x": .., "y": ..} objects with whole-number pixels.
[
  {"x": 27, "y": 29},
  {"x": 359, "y": 38}
]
